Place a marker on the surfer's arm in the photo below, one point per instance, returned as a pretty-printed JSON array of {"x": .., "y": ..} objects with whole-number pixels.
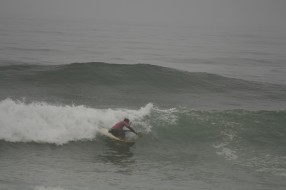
[{"x": 132, "y": 130}]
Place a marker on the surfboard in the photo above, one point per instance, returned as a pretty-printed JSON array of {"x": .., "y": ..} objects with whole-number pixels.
[{"x": 105, "y": 132}]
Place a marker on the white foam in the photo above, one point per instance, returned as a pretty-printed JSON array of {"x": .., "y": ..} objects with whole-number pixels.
[
  {"x": 227, "y": 153},
  {"x": 48, "y": 188},
  {"x": 42, "y": 122}
]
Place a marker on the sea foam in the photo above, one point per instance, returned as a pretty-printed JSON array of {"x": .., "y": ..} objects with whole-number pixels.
[
  {"x": 48, "y": 188},
  {"x": 59, "y": 124}
]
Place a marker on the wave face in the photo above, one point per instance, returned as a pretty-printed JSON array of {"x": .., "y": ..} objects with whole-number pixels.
[
  {"x": 113, "y": 85},
  {"x": 47, "y": 123}
]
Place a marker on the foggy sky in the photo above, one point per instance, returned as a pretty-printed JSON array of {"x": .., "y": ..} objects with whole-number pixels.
[{"x": 192, "y": 12}]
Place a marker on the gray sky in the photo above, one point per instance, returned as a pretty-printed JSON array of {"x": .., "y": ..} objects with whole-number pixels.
[{"x": 192, "y": 12}]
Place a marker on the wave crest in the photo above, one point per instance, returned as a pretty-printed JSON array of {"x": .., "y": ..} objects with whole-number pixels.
[{"x": 45, "y": 123}]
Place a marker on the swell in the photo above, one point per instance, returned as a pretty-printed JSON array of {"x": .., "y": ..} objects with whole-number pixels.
[
  {"x": 86, "y": 83},
  {"x": 118, "y": 74}
]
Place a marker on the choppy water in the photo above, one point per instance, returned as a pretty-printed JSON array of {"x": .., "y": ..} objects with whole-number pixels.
[{"x": 211, "y": 106}]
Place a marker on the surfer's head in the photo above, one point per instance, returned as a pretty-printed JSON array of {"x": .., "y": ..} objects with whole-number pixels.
[{"x": 126, "y": 120}]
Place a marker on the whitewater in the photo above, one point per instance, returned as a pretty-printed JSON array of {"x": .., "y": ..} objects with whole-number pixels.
[{"x": 44, "y": 123}]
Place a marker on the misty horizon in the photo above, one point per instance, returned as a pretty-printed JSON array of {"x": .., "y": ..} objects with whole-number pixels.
[{"x": 253, "y": 13}]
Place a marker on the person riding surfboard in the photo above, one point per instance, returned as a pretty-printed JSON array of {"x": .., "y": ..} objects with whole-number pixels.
[{"x": 117, "y": 129}]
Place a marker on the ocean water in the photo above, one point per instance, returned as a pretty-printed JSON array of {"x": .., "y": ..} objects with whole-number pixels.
[{"x": 210, "y": 104}]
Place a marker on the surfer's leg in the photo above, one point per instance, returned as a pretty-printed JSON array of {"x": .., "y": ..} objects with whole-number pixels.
[
  {"x": 121, "y": 134},
  {"x": 115, "y": 132}
]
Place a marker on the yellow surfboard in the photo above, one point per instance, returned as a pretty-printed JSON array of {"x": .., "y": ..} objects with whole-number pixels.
[{"x": 105, "y": 132}]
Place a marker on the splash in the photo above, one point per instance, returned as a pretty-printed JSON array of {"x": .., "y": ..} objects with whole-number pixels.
[{"x": 45, "y": 123}]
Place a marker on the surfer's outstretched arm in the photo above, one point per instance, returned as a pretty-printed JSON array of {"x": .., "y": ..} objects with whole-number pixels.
[{"x": 131, "y": 129}]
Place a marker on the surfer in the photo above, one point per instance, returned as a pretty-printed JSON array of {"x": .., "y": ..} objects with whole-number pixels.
[{"x": 117, "y": 129}]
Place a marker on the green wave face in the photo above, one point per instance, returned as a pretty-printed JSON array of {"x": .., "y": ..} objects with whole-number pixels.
[{"x": 102, "y": 84}]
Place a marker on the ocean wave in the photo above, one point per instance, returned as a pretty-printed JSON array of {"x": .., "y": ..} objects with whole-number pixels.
[
  {"x": 44, "y": 123},
  {"x": 50, "y": 123},
  {"x": 253, "y": 139},
  {"x": 99, "y": 73},
  {"x": 133, "y": 85}
]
